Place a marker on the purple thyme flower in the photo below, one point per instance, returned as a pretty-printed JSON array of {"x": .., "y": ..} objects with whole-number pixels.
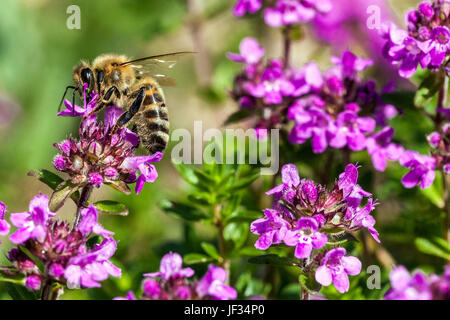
[
  {"x": 32, "y": 224},
  {"x": 422, "y": 169},
  {"x": 89, "y": 223},
  {"x": 151, "y": 288},
  {"x": 360, "y": 217},
  {"x": 250, "y": 52},
  {"x": 85, "y": 270},
  {"x": 328, "y": 110},
  {"x": 143, "y": 164},
  {"x": 61, "y": 249},
  {"x": 212, "y": 284},
  {"x": 381, "y": 149},
  {"x": 33, "y": 283},
  {"x": 350, "y": 64},
  {"x": 335, "y": 268},
  {"x": 271, "y": 229},
  {"x": 407, "y": 287},
  {"x": 288, "y": 12},
  {"x": 306, "y": 214},
  {"x": 173, "y": 283},
  {"x": 4, "y": 225},
  {"x": 102, "y": 156},
  {"x": 171, "y": 267},
  {"x": 246, "y": 6},
  {"x": 310, "y": 123},
  {"x": 348, "y": 25},
  {"x": 273, "y": 85},
  {"x": 440, "y": 286},
  {"x": 426, "y": 40},
  {"x": 349, "y": 129},
  {"x": 305, "y": 237},
  {"x": 437, "y": 47},
  {"x": 130, "y": 296}
]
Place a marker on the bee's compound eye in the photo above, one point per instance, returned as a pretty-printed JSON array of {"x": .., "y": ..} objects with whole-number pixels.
[{"x": 86, "y": 75}]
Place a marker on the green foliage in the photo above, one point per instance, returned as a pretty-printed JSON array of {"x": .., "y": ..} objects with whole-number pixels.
[
  {"x": 437, "y": 247},
  {"x": 52, "y": 180},
  {"x": 215, "y": 199},
  {"x": 112, "y": 207},
  {"x": 275, "y": 260},
  {"x": 428, "y": 88}
]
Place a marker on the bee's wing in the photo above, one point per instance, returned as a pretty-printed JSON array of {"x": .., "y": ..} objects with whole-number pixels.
[{"x": 156, "y": 66}]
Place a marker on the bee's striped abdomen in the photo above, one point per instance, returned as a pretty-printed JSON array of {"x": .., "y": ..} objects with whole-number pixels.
[{"x": 152, "y": 121}]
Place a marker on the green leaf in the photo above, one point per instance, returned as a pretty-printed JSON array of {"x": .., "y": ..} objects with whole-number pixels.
[
  {"x": 308, "y": 282},
  {"x": 236, "y": 232},
  {"x": 183, "y": 211},
  {"x": 428, "y": 88},
  {"x": 434, "y": 193},
  {"x": 120, "y": 186},
  {"x": 244, "y": 216},
  {"x": 250, "y": 252},
  {"x": 232, "y": 206},
  {"x": 52, "y": 180},
  {"x": 16, "y": 278},
  {"x": 210, "y": 250},
  {"x": 201, "y": 198},
  {"x": 237, "y": 116},
  {"x": 243, "y": 183},
  {"x": 340, "y": 238},
  {"x": 205, "y": 180},
  {"x": 18, "y": 292},
  {"x": 400, "y": 99},
  {"x": 112, "y": 207},
  {"x": 60, "y": 195},
  {"x": 196, "y": 258},
  {"x": 33, "y": 258},
  {"x": 275, "y": 260},
  {"x": 186, "y": 173},
  {"x": 434, "y": 248}
]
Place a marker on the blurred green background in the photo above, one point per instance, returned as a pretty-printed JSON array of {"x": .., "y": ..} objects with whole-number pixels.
[{"x": 37, "y": 54}]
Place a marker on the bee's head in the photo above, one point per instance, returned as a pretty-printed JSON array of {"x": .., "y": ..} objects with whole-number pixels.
[{"x": 83, "y": 74}]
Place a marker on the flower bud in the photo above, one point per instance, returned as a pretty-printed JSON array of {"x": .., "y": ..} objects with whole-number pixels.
[
  {"x": 183, "y": 293},
  {"x": 56, "y": 270},
  {"x": 151, "y": 288},
  {"x": 59, "y": 162},
  {"x": 309, "y": 191},
  {"x": 59, "y": 246},
  {"x": 426, "y": 9},
  {"x": 433, "y": 139},
  {"x": 33, "y": 283},
  {"x": 95, "y": 179}
]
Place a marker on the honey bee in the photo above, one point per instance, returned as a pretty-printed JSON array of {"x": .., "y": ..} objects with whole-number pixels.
[{"x": 134, "y": 86}]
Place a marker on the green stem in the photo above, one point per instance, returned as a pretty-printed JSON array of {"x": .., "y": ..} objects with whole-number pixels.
[
  {"x": 82, "y": 203},
  {"x": 46, "y": 293},
  {"x": 446, "y": 207},
  {"x": 286, "y": 46},
  {"x": 442, "y": 103},
  {"x": 224, "y": 262}
]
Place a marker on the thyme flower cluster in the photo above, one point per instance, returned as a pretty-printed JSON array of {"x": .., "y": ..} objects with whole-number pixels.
[
  {"x": 49, "y": 250},
  {"x": 172, "y": 283},
  {"x": 307, "y": 216}
]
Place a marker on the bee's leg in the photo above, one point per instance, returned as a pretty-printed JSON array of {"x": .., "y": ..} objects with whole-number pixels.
[
  {"x": 106, "y": 98},
  {"x": 73, "y": 102},
  {"x": 64, "y": 95},
  {"x": 134, "y": 108}
]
